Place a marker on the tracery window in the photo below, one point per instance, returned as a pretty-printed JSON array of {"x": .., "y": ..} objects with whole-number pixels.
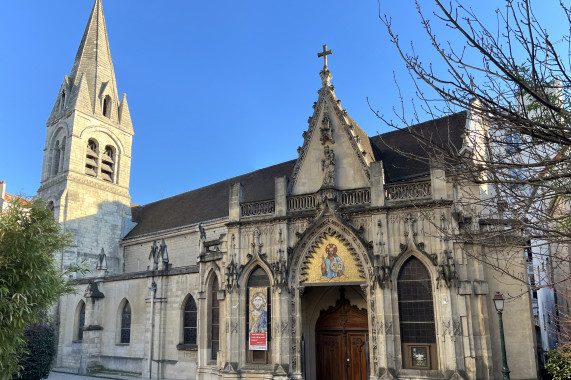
[
  {"x": 189, "y": 321},
  {"x": 108, "y": 164},
  {"x": 126, "y": 323},
  {"x": 416, "y": 313},
  {"x": 214, "y": 319},
  {"x": 258, "y": 317},
  {"x": 91, "y": 158}
]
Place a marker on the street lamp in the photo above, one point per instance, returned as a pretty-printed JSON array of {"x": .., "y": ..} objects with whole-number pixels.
[{"x": 499, "y": 304}]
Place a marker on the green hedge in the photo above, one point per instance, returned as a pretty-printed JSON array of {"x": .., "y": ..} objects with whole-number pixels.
[{"x": 41, "y": 349}]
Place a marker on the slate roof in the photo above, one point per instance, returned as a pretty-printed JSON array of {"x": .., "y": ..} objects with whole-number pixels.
[
  {"x": 401, "y": 152},
  {"x": 207, "y": 203}
]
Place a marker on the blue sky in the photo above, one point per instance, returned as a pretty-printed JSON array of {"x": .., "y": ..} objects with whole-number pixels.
[{"x": 216, "y": 88}]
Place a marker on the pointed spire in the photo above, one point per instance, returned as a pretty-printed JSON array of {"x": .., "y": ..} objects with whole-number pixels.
[{"x": 93, "y": 59}]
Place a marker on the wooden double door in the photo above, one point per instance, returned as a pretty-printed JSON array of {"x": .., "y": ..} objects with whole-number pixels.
[{"x": 341, "y": 336}]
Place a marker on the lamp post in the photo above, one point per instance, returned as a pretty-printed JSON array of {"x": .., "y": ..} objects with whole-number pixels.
[{"x": 499, "y": 304}]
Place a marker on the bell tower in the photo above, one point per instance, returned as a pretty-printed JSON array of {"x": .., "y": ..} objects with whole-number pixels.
[{"x": 87, "y": 155}]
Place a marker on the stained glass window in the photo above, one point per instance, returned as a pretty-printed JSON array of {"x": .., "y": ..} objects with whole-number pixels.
[
  {"x": 126, "y": 324},
  {"x": 416, "y": 309},
  {"x": 189, "y": 321}
]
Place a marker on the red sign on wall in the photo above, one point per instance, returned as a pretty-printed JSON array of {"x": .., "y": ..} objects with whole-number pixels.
[{"x": 259, "y": 341}]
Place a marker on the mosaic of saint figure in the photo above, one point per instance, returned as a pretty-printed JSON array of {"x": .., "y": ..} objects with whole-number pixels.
[
  {"x": 258, "y": 313},
  {"x": 332, "y": 266}
]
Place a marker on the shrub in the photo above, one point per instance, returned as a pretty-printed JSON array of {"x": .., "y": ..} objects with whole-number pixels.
[
  {"x": 559, "y": 362},
  {"x": 37, "y": 361}
]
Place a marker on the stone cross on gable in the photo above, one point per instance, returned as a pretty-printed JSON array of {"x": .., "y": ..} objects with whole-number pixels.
[{"x": 324, "y": 54}]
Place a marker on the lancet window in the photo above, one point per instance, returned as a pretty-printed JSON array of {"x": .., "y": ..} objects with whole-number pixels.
[
  {"x": 214, "y": 319},
  {"x": 56, "y": 158},
  {"x": 189, "y": 321},
  {"x": 107, "y": 106},
  {"x": 416, "y": 314},
  {"x": 126, "y": 324},
  {"x": 79, "y": 321}
]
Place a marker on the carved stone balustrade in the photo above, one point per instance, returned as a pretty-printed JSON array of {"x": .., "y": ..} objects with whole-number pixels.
[
  {"x": 301, "y": 202},
  {"x": 416, "y": 190},
  {"x": 355, "y": 197},
  {"x": 258, "y": 208}
]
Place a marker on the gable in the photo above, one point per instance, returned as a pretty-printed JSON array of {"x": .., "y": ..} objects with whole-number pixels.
[{"x": 332, "y": 130}]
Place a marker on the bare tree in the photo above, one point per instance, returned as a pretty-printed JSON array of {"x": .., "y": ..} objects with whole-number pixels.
[{"x": 514, "y": 165}]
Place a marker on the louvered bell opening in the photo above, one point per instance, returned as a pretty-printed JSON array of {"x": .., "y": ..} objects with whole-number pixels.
[
  {"x": 106, "y": 167},
  {"x": 106, "y": 176},
  {"x": 90, "y": 170},
  {"x": 108, "y": 159},
  {"x": 90, "y": 161}
]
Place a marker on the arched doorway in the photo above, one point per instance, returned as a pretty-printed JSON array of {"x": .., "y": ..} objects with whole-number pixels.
[{"x": 341, "y": 336}]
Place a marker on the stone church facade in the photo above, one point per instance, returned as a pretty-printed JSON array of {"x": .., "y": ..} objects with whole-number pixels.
[{"x": 329, "y": 266}]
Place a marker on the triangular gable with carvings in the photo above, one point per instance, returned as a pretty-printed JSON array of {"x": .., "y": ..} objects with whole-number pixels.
[{"x": 336, "y": 152}]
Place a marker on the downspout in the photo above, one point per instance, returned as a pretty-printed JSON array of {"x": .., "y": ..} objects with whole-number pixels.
[{"x": 152, "y": 322}]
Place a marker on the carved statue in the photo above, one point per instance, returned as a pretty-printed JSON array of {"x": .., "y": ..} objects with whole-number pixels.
[
  {"x": 326, "y": 131},
  {"x": 154, "y": 256},
  {"x": 328, "y": 167},
  {"x": 202, "y": 239}
]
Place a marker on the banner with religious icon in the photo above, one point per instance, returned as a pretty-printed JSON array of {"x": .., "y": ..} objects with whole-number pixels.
[
  {"x": 332, "y": 262},
  {"x": 258, "y": 319}
]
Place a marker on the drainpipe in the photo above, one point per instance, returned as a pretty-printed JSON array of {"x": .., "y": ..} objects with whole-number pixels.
[{"x": 153, "y": 291}]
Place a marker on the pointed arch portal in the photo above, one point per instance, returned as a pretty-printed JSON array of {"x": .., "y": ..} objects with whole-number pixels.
[{"x": 330, "y": 258}]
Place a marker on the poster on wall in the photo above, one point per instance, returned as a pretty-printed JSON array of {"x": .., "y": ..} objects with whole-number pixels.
[{"x": 258, "y": 334}]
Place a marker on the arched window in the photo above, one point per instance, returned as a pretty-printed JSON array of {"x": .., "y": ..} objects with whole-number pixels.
[
  {"x": 214, "y": 319},
  {"x": 56, "y": 158},
  {"x": 79, "y": 321},
  {"x": 258, "y": 316},
  {"x": 91, "y": 158},
  {"x": 62, "y": 154},
  {"x": 189, "y": 321},
  {"x": 126, "y": 324},
  {"x": 62, "y": 100},
  {"x": 52, "y": 208},
  {"x": 107, "y": 106},
  {"x": 416, "y": 313},
  {"x": 108, "y": 164}
]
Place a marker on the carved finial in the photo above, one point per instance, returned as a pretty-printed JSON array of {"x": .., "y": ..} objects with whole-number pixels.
[
  {"x": 325, "y": 74},
  {"x": 233, "y": 247},
  {"x": 280, "y": 241}
]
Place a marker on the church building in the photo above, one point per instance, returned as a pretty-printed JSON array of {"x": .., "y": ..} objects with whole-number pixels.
[{"x": 331, "y": 266}]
